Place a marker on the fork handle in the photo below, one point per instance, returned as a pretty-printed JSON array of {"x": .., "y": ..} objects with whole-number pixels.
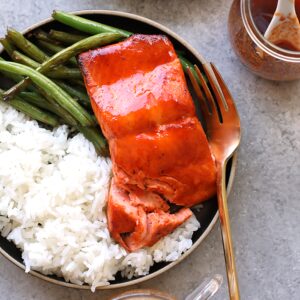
[{"x": 226, "y": 233}]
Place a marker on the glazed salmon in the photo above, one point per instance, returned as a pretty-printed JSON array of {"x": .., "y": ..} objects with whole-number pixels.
[{"x": 157, "y": 145}]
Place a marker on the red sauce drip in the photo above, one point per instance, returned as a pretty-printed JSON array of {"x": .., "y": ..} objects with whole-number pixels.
[{"x": 263, "y": 11}]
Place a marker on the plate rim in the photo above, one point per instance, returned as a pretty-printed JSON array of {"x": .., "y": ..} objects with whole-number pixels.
[{"x": 211, "y": 225}]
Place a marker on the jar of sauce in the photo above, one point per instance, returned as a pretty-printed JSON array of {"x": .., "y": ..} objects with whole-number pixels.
[{"x": 247, "y": 23}]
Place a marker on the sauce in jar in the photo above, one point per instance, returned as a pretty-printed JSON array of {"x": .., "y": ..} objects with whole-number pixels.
[
  {"x": 247, "y": 22},
  {"x": 262, "y": 13}
]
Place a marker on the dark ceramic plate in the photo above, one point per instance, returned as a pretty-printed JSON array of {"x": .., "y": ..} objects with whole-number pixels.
[{"x": 207, "y": 216}]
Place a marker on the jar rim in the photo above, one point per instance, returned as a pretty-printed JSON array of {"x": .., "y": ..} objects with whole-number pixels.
[{"x": 260, "y": 41}]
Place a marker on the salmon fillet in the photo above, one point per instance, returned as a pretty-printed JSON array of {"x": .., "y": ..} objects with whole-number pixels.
[{"x": 158, "y": 148}]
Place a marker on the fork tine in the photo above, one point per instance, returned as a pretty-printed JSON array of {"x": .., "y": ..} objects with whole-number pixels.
[
  {"x": 231, "y": 108},
  {"x": 203, "y": 105},
  {"x": 211, "y": 102},
  {"x": 215, "y": 87}
]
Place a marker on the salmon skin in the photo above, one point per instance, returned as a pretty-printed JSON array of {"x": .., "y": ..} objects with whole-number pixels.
[{"x": 158, "y": 148}]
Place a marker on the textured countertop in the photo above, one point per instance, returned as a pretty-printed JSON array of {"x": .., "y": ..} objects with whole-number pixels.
[{"x": 265, "y": 200}]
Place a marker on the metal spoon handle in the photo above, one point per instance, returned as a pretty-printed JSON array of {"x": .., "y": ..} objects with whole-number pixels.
[{"x": 226, "y": 234}]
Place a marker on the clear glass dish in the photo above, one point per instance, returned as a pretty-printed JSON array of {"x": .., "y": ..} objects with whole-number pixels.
[
  {"x": 255, "y": 52},
  {"x": 204, "y": 291}
]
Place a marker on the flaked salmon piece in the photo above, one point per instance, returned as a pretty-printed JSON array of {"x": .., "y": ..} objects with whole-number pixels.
[
  {"x": 134, "y": 224},
  {"x": 138, "y": 238},
  {"x": 147, "y": 200},
  {"x": 158, "y": 148},
  {"x": 121, "y": 216},
  {"x": 159, "y": 224}
]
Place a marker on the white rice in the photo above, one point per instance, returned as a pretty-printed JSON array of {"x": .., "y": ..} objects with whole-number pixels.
[{"x": 53, "y": 193}]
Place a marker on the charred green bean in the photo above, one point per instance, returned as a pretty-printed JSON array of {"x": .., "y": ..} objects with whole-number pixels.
[
  {"x": 32, "y": 111},
  {"x": 59, "y": 73},
  {"x": 8, "y": 47},
  {"x": 24, "y": 60},
  {"x": 65, "y": 55},
  {"x": 38, "y": 100},
  {"x": 77, "y": 93},
  {"x": 26, "y": 46},
  {"x": 86, "y": 25},
  {"x": 43, "y": 36},
  {"x": 65, "y": 37},
  {"x": 52, "y": 90},
  {"x": 55, "y": 49}
]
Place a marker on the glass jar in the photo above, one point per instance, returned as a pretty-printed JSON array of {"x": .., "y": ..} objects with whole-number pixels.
[
  {"x": 143, "y": 295},
  {"x": 255, "y": 52},
  {"x": 203, "y": 291}
]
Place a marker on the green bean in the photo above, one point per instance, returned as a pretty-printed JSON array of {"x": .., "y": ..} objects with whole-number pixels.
[
  {"x": 186, "y": 64},
  {"x": 92, "y": 27},
  {"x": 34, "y": 98},
  {"x": 59, "y": 73},
  {"x": 32, "y": 111},
  {"x": 50, "y": 47},
  {"x": 26, "y": 46},
  {"x": 12, "y": 76},
  {"x": 35, "y": 53},
  {"x": 38, "y": 100},
  {"x": 55, "y": 49},
  {"x": 78, "y": 82},
  {"x": 95, "y": 136},
  {"x": 43, "y": 36},
  {"x": 48, "y": 104},
  {"x": 24, "y": 60},
  {"x": 61, "y": 112},
  {"x": 92, "y": 134},
  {"x": 86, "y": 25},
  {"x": 16, "y": 78},
  {"x": 79, "y": 94},
  {"x": 53, "y": 91},
  {"x": 65, "y": 37},
  {"x": 62, "y": 73},
  {"x": 79, "y": 47},
  {"x": 65, "y": 55},
  {"x": 9, "y": 48}
]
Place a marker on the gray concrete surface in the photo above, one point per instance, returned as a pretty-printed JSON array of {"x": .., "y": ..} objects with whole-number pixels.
[{"x": 264, "y": 204}]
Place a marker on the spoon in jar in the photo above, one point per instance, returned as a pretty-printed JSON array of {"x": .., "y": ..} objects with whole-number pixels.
[{"x": 284, "y": 29}]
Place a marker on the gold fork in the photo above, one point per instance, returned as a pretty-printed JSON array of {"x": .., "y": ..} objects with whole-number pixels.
[{"x": 223, "y": 131}]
